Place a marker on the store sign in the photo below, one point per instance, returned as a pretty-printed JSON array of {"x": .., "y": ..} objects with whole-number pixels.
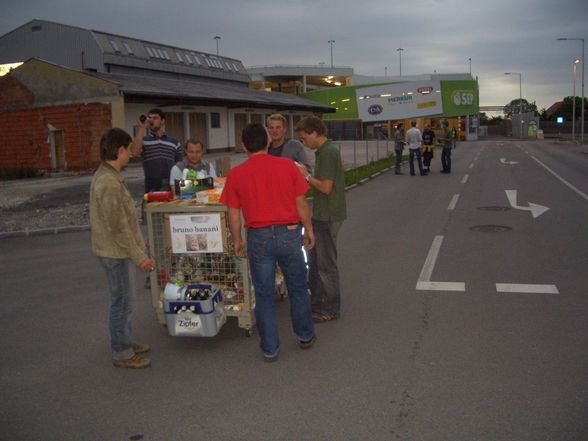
[
  {"x": 399, "y": 101},
  {"x": 460, "y": 98},
  {"x": 196, "y": 233},
  {"x": 6, "y": 68}
]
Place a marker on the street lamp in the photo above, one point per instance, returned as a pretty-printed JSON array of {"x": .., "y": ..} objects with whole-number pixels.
[
  {"x": 399, "y": 50},
  {"x": 583, "y": 57},
  {"x": 470, "y": 60},
  {"x": 385, "y": 71},
  {"x": 520, "y": 98},
  {"x": 331, "y": 43},
  {"x": 576, "y": 61},
  {"x": 217, "y": 38}
]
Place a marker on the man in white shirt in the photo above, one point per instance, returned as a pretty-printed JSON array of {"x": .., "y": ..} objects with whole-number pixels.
[
  {"x": 192, "y": 161},
  {"x": 414, "y": 140}
]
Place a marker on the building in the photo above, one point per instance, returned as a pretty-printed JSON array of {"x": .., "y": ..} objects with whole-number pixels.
[
  {"x": 204, "y": 95},
  {"x": 368, "y": 107}
]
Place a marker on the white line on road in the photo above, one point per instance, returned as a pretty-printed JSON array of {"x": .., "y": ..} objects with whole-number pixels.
[
  {"x": 471, "y": 165},
  {"x": 424, "y": 281},
  {"x": 465, "y": 179},
  {"x": 453, "y": 202},
  {"x": 580, "y": 192},
  {"x": 526, "y": 288}
]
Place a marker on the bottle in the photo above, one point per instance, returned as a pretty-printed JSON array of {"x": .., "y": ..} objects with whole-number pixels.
[{"x": 158, "y": 196}]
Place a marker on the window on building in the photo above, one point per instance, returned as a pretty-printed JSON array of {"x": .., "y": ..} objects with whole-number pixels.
[
  {"x": 160, "y": 53},
  {"x": 215, "y": 120},
  {"x": 236, "y": 67},
  {"x": 128, "y": 48},
  {"x": 188, "y": 59},
  {"x": 114, "y": 46},
  {"x": 150, "y": 52},
  {"x": 165, "y": 55},
  {"x": 180, "y": 59},
  {"x": 197, "y": 60}
]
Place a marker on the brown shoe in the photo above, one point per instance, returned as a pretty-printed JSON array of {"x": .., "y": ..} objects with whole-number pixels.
[
  {"x": 135, "y": 362},
  {"x": 318, "y": 317},
  {"x": 141, "y": 348}
]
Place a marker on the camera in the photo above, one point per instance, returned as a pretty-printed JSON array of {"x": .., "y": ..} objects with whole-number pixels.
[{"x": 142, "y": 118}]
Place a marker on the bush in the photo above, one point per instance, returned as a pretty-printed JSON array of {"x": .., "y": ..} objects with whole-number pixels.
[{"x": 8, "y": 174}]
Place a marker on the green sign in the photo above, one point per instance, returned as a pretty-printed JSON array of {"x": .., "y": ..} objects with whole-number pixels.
[{"x": 459, "y": 98}]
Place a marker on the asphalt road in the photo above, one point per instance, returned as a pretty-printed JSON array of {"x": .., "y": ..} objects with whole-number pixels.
[{"x": 464, "y": 319}]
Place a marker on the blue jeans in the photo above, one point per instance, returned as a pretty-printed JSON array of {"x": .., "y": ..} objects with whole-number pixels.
[
  {"x": 265, "y": 247},
  {"x": 446, "y": 159},
  {"x": 323, "y": 270},
  {"x": 412, "y": 153},
  {"x": 121, "y": 282}
]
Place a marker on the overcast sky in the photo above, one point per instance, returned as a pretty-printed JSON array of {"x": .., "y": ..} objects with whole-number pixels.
[{"x": 436, "y": 35}]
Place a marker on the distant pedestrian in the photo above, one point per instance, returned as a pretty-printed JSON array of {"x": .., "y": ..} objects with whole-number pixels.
[
  {"x": 399, "y": 146},
  {"x": 118, "y": 243},
  {"x": 271, "y": 195},
  {"x": 428, "y": 147},
  {"x": 447, "y": 145},
  {"x": 414, "y": 139},
  {"x": 329, "y": 210}
]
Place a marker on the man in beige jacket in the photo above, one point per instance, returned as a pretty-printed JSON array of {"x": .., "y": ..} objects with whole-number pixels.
[{"x": 117, "y": 242}]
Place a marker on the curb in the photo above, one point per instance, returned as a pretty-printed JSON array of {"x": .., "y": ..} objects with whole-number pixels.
[{"x": 44, "y": 231}]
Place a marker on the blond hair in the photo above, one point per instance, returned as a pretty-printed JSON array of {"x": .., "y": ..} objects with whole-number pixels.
[{"x": 277, "y": 117}]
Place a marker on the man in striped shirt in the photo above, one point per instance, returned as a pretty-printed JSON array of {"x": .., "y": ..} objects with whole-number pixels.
[{"x": 158, "y": 151}]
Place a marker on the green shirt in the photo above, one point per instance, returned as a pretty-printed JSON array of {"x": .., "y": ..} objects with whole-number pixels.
[{"x": 328, "y": 165}]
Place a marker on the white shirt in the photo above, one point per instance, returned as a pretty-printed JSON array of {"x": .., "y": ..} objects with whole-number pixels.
[{"x": 414, "y": 138}]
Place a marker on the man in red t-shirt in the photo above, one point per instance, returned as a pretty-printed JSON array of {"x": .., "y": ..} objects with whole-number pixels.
[{"x": 271, "y": 193}]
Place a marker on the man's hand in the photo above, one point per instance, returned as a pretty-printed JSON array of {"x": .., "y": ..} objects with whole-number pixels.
[
  {"x": 239, "y": 247},
  {"x": 303, "y": 170},
  {"x": 147, "y": 265},
  {"x": 308, "y": 240}
]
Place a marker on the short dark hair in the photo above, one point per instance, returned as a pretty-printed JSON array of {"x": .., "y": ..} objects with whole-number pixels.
[
  {"x": 413, "y": 123},
  {"x": 312, "y": 124},
  {"x": 193, "y": 141},
  {"x": 254, "y": 136},
  {"x": 111, "y": 141},
  {"x": 157, "y": 112}
]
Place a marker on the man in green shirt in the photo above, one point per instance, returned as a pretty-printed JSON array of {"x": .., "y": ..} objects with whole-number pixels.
[{"x": 329, "y": 210}]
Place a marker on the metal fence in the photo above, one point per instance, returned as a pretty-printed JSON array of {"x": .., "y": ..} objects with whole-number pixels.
[{"x": 362, "y": 152}]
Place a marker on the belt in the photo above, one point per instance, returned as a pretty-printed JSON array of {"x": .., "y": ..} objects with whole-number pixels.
[{"x": 273, "y": 227}]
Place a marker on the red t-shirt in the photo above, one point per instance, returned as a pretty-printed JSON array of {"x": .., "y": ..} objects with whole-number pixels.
[{"x": 265, "y": 188}]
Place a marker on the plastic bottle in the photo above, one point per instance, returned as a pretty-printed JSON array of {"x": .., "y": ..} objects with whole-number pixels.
[{"x": 158, "y": 196}]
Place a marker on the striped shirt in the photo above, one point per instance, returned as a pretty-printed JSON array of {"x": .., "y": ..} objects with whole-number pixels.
[{"x": 159, "y": 155}]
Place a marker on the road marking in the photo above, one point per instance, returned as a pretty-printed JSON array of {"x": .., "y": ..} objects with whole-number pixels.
[
  {"x": 504, "y": 161},
  {"x": 526, "y": 288},
  {"x": 580, "y": 192},
  {"x": 465, "y": 179},
  {"x": 453, "y": 202},
  {"x": 424, "y": 282},
  {"x": 535, "y": 209},
  {"x": 471, "y": 165}
]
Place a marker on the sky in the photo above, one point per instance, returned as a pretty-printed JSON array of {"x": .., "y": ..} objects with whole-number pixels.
[{"x": 435, "y": 35}]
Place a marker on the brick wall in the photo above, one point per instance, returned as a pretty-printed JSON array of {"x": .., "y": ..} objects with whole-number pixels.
[{"x": 25, "y": 135}]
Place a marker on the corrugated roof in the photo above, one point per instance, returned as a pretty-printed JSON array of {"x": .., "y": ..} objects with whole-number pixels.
[{"x": 202, "y": 91}]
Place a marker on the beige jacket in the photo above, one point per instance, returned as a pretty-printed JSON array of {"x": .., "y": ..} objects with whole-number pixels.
[{"x": 113, "y": 218}]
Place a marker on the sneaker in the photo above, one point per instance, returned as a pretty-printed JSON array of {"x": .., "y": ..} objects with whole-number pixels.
[
  {"x": 141, "y": 348},
  {"x": 271, "y": 359},
  {"x": 135, "y": 362},
  {"x": 318, "y": 317},
  {"x": 307, "y": 344}
]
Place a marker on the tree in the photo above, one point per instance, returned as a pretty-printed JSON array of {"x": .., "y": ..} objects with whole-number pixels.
[
  {"x": 567, "y": 108},
  {"x": 513, "y": 107}
]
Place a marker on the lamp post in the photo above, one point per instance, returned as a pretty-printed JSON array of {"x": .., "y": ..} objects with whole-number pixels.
[
  {"x": 520, "y": 99},
  {"x": 470, "y": 60},
  {"x": 583, "y": 57},
  {"x": 331, "y": 43},
  {"x": 576, "y": 61},
  {"x": 399, "y": 50},
  {"x": 217, "y": 38}
]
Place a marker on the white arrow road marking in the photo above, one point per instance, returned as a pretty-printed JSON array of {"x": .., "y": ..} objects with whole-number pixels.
[
  {"x": 424, "y": 283},
  {"x": 504, "y": 161},
  {"x": 526, "y": 288},
  {"x": 535, "y": 209}
]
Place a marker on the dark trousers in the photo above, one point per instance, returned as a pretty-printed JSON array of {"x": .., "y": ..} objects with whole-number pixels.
[
  {"x": 398, "y": 158},
  {"x": 446, "y": 159},
  {"x": 427, "y": 156},
  {"x": 323, "y": 272},
  {"x": 412, "y": 153}
]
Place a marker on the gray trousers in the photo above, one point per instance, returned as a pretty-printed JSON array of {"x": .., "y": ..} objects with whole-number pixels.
[{"x": 323, "y": 271}]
